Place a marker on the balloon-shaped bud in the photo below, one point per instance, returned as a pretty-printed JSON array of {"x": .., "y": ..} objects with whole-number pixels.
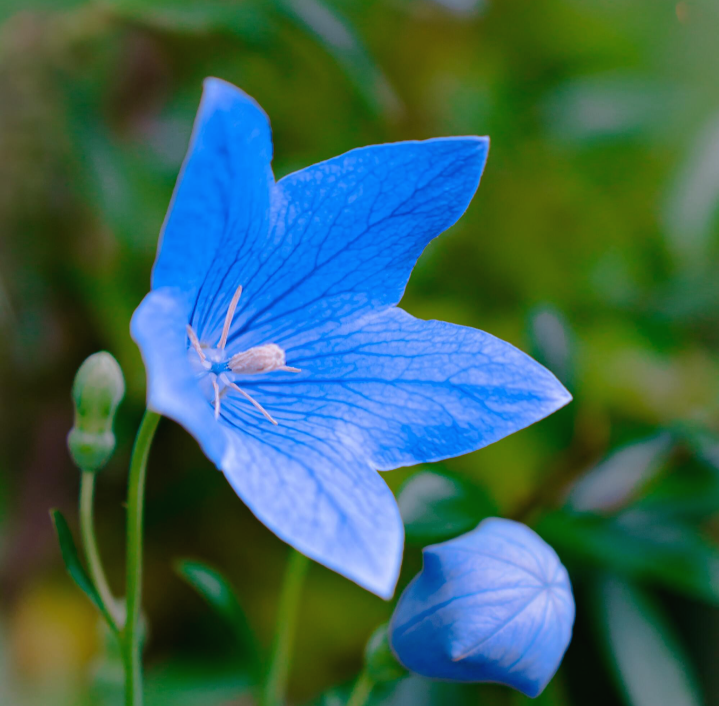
[
  {"x": 97, "y": 391},
  {"x": 494, "y": 605},
  {"x": 380, "y": 662}
]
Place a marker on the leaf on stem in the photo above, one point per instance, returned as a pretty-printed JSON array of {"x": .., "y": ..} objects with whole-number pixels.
[
  {"x": 74, "y": 566},
  {"x": 221, "y": 597}
]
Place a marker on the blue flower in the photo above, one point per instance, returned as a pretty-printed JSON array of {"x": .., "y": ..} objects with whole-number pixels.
[
  {"x": 494, "y": 605},
  {"x": 271, "y": 332}
]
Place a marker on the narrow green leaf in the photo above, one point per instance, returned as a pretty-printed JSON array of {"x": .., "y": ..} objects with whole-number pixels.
[
  {"x": 338, "y": 38},
  {"x": 693, "y": 201},
  {"x": 74, "y": 566},
  {"x": 648, "y": 660},
  {"x": 598, "y": 108},
  {"x": 436, "y": 507},
  {"x": 254, "y": 22},
  {"x": 552, "y": 342},
  {"x": 221, "y": 596},
  {"x": 621, "y": 476}
]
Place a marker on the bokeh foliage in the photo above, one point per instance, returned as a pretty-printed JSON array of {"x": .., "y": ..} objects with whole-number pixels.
[{"x": 592, "y": 244}]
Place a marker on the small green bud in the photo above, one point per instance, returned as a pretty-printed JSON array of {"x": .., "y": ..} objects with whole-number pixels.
[
  {"x": 97, "y": 391},
  {"x": 380, "y": 662}
]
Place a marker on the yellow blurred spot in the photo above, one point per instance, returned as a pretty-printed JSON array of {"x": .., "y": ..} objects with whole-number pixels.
[
  {"x": 654, "y": 387},
  {"x": 682, "y": 10},
  {"x": 53, "y": 634}
]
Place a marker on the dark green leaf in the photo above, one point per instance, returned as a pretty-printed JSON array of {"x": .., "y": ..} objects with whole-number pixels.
[
  {"x": 74, "y": 565},
  {"x": 418, "y": 691},
  {"x": 641, "y": 546},
  {"x": 12, "y": 7},
  {"x": 702, "y": 443},
  {"x": 553, "y": 695},
  {"x": 648, "y": 660},
  {"x": 435, "y": 507},
  {"x": 691, "y": 495},
  {"x": 183, "y": 684},
  {"x": 221, "y": 596},
  {"x": 247, "y": 20}
]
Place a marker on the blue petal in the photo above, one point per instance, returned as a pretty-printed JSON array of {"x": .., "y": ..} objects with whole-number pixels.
[
  {"x": 222, "y": 198},
  {"x": 493, "y": 605},
  {"x": 412, "y": 391},
  {"x": 312, "y": 487},
  {"x": 158, "y": 327},
  {"x": 346, "y": 233}
]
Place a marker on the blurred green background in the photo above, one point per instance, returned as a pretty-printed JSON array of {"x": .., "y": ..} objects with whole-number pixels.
[{"x": 592, "y": 244}]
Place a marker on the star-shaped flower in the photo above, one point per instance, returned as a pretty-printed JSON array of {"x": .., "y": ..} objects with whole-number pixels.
[{"x": 271, "y": 332}]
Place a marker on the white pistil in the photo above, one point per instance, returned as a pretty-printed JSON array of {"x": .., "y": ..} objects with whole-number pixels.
[
  {"x": 254, "y": 361},
  {"x": 260, "y": 359},
  {"x": 216, "y": 388},
  {"x": 228, "y": 319}
]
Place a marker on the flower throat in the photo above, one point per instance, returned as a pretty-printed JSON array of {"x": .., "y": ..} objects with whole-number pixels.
[{"x": 254, "y": 361}]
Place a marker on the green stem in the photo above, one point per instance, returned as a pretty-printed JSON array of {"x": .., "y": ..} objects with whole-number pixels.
[
  {"x": 92, "y": 554},
  {"x": 135, "y": 503},
  {"x": 362, "y": 689},
  {"x": 275, "y": 684}
]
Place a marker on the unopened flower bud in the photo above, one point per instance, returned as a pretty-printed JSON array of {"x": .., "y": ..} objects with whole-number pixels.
[
  {"x": 494, "y": 605},
  {"x": 97, "y": 391}
]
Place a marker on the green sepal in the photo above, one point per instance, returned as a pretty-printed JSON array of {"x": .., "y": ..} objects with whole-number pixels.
[
  {"x": 380, "y": 662},
  {"x": 74, "y": 566}
]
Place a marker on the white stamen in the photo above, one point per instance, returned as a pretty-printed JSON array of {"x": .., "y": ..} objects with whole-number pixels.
[
  {"x": 228, "y": 319},
  {"x": 261, "y": 359},
  {"x": 251, "y": 399},
  {"x": 288, "y": 369},
  {"x": 216, "y": 388},
  {"x": 195, "y": 343}
]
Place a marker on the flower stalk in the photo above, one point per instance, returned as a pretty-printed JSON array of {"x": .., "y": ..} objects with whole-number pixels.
[
  {"x": 92, "y": 553},
  {"x": 361, "y": 690},
  {"x": 135, "y": 504},
  {"x": 275, "y": 683}
]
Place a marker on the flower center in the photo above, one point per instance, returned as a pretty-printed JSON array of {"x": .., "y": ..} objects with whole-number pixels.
[{"x": 214, "y": 366}]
